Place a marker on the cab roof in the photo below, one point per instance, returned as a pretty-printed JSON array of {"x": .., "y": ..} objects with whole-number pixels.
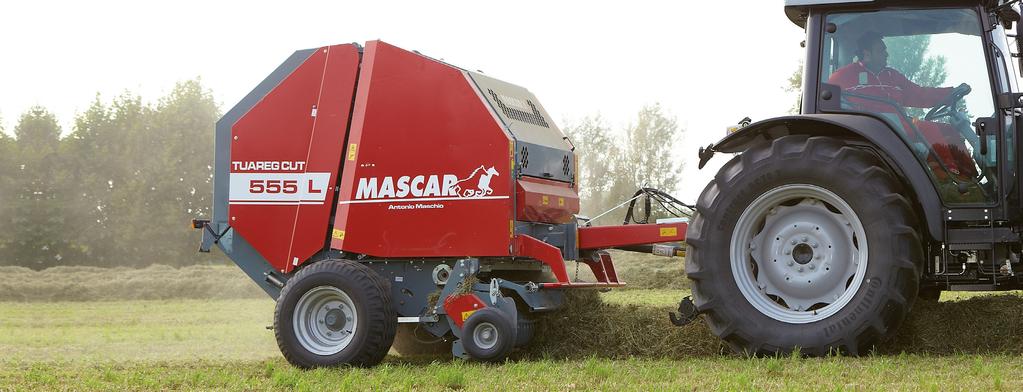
[{"x": 796, "y": 10}]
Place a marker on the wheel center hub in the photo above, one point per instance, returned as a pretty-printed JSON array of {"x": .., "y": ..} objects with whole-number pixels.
[
  {"x": 335, "y": 320},
  {"x": 802, "y": 253}
]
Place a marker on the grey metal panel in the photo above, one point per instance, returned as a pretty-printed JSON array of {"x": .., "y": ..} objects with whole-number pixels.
[
  {"x": 545, "y": 162},
  {"x": 411, "y": 283},
  {"x": 254, "y": 265},
  {"x": 876, "y": 132},
  {"x": 238, "y": 249},
  {"x": 521, "y": 112}
]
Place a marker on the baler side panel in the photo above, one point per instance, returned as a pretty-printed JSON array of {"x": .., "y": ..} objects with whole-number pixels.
[
  {"x": 326, "y": 148},
  {"x": 427, "y": 166},
  {"x": 285, "y": 153}
]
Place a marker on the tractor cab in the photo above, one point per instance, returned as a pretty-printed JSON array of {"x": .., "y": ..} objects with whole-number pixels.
[{"x": 934, "y": 74}]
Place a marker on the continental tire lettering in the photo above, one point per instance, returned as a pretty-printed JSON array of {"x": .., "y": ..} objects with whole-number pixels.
[
  {"x": 735, "y": 209},
  {"x": 868, "y": 302}
]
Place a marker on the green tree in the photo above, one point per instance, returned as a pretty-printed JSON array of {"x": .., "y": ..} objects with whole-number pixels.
[
  {"x": 179, "y": 174},
  {"x": 598, "y": 153},
  {"x": 7, "y": 194},
  {"x": 613, "y": 168},
  {"x": 794, "y": 85},
  {"x": 39, "y": 234}
]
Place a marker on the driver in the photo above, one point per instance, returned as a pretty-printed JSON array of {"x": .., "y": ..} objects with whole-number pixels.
[{"x": 871, "y": 76}]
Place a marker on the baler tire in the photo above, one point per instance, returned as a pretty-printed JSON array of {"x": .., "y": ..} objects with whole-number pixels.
[
  {"x": 504, "y": 341},
  {"x": 375, "y": 322},
  {"x": 865, "y": 313}
]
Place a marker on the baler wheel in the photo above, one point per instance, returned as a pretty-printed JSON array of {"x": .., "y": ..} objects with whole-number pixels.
[
  {"x": 488, "y": 335},
  {"x": 335, "y": 312},
  {"x": 804, "y": 242}
]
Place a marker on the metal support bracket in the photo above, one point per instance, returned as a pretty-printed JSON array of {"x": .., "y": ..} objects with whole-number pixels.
[{"x": 687, "y": 312}]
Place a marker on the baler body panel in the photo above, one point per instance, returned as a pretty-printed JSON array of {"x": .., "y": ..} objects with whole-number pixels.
[
  {"x": 545, "y": 201},
  {"x": 285, "y": 154},
  {"x": 428, "y": 166}
]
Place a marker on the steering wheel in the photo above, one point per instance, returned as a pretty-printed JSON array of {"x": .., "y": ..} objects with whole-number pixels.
[{"x": 947, "y": 106}]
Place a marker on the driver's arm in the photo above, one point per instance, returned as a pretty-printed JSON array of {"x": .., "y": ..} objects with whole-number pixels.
[{"x": 914, "y": 95}]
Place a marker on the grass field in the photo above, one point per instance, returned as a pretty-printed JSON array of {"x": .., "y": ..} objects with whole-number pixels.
[
  {"x": 100, "y": 338},
  {"x": 223, "y": 344}
]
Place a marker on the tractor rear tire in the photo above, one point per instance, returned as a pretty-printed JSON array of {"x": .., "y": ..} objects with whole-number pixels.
[
  {"x": 761, "y": 274},
  {"x": 333, "y": 313}
]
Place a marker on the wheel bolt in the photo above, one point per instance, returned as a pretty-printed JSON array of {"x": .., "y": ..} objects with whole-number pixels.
[
  {"x": 330, "y": 333},
  {"x": 790, "y": 263},
  {"x": 788, "y": 252},
  {"x": 818, "y": 257},
  {"x": 793, "y": 242},
  {"x": 805, "y": 239},
  {"x": 811, "y": 267},
  {"x": 815, "y": 245},
  {"x": 800, "y": 269}
]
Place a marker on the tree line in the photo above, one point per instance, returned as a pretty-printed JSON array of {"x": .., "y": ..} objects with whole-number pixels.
[{"x": 119, "y": 188}]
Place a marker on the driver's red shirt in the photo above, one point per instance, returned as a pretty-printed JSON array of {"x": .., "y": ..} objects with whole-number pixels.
[
  {"x": 888, "y": 84},
  {"x": 951, "y": 157}
]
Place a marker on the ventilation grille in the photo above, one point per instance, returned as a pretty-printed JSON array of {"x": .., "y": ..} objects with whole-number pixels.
[
  {"x": 534, "y": 118},
  {"x": 565, "y": 168},
  {"x": 524, "y": 157}
]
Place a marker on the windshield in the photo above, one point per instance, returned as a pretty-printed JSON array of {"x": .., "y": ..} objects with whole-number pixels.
[{"x": 923, "y": 72}]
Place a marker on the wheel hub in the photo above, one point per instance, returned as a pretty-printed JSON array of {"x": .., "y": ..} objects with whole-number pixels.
[
  {"x": 325, "y": 320},
  {"x": 485, "y": 335},
  {"x": 803, "y": 260},
  {"x": 335, "y": 319},
  {"x": 802, "y": 253}
]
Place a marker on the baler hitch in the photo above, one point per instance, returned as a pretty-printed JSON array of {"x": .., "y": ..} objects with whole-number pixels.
[{"x": 687, "y": 312}]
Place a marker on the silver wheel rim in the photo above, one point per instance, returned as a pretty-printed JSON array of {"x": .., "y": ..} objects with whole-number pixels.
[
  {"x": 325, "y": 320},
  {"x": 485, "y": 335},
  {"x": 799, "y": 253}
]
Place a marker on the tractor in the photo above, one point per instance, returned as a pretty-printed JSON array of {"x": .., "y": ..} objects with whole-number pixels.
[{"x": 825, "y": 227}]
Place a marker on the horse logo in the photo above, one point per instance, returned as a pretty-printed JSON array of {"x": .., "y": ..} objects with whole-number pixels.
[{"x": 482, "y": 185}]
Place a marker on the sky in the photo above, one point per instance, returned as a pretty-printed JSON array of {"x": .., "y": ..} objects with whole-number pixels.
[{"x": 709, "y": 64}]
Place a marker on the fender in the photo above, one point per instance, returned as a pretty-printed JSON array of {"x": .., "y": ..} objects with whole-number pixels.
[{"x": 876, "y": 134}]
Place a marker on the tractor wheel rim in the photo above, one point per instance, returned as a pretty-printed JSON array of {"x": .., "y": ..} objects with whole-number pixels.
[
  {"x": 325, "y": 320},
  {"x": 799, "y": 253},
  {"x": 485, "y": 335}
]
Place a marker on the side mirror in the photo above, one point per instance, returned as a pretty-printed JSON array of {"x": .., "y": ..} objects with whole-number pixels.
[
  {"x": 1007, "y": 15},
  {"x": 1019, "y": 45}
]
